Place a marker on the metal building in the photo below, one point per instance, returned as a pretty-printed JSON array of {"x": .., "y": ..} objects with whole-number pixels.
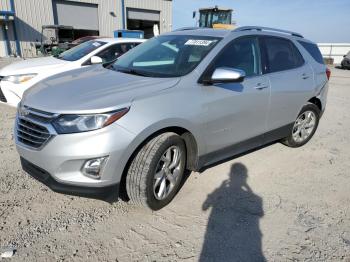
[{"x": 21, "y": 20}]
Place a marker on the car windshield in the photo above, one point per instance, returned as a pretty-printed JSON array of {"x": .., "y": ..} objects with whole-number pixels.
[
  {"x": 166, "y": 56},
  {"x": 80, "y": 50},
  {"x": 348, "y": 55}
]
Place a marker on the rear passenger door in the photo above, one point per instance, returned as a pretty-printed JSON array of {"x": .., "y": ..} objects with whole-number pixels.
[
  {"x": 291, "y": 80},
  {"x": 319, "y": 69}
]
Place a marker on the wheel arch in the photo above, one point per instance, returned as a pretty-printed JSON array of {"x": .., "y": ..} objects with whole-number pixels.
[
  {"x": 191, "y": 144},
  {"x": 316, "y": 101}
]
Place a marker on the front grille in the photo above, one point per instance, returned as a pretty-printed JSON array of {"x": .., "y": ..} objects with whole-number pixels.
[
  {"x": 2, "y": 96},
  {"x": 32, "y": 134},
  {"x": 33, "y": 127}
]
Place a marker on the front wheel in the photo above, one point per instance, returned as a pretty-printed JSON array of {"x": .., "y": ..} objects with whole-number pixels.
[
  {"x": 156, "y": 172},
  {"x": 304, "y": 126}
]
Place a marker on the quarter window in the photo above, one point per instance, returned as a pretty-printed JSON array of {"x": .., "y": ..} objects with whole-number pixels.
[
  {"x": 313, "y": 50},
  {"x": 242, "y": 53},
  {"x": 282, "y": 54}
]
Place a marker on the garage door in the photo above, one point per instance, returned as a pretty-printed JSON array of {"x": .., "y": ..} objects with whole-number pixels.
[
  {"x": 78, "y": 15},
  {"x": 142, "y": 14},
  {"x": 2, "y": 42}
]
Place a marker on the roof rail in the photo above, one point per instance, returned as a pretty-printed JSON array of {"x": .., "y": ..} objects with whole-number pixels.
[
  {"x": 186, "y": 28},
  {"x": 261, "y": 28}
]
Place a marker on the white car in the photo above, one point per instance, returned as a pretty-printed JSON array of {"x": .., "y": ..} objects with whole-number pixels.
[{"x": 18, "y": 77}]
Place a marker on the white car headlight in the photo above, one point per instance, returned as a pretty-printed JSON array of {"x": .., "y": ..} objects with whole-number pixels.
[{"x": 19, "y": 79}]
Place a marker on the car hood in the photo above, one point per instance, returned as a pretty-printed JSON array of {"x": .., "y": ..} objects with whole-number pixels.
[
  {"x": 91, "y": 90},
  {"x": 34, "y": 65}
]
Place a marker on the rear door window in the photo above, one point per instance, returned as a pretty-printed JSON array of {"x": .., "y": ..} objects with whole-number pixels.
[
  {"x": 313, "y": 50},
  {"x": 281, "y": 54}
]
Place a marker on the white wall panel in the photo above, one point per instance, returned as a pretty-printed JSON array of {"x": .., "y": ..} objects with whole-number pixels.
[{"x": 334, "y": 50}]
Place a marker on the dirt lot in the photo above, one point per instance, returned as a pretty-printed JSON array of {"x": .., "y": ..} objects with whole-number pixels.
[{"x": 277, "y": 203}]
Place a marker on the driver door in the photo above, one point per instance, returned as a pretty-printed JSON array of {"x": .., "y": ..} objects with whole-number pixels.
[{"x": 236, "y": 113}]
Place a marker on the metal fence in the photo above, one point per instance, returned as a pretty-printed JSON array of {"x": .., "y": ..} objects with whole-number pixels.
[{"x": 334, "y": 50}]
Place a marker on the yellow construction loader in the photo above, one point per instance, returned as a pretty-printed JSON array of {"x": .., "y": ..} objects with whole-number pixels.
[{"x": 216, "y": 17}]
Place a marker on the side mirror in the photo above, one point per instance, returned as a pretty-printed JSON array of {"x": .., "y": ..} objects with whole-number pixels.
[
  {"x": 96, "y": 60},
  {"x": 227, "y": 75}
]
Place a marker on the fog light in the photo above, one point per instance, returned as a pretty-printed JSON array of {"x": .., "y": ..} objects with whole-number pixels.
[{"x": 93, "y": 167}]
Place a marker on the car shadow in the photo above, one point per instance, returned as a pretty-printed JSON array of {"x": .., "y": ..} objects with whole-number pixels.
[{"x": 233, "y": 232}]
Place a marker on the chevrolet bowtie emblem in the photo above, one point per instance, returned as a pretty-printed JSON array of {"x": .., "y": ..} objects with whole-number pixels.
[{"x": 24, "y": 112}]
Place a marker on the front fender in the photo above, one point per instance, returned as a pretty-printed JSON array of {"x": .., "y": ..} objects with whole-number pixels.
[{"x": 163, "y": 125}]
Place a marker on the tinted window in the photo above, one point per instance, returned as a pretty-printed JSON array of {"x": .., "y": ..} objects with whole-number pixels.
[
  {"x": 81, "y": 50},
  {"x": 167, "y": 55},
  {"x": 243, "y": 54},
  {"x": 281, "y": 54},
  {"x": 114, "y": 51},
  {"x": 299, "y": 60},
  {"x": 313, "y": 50}
]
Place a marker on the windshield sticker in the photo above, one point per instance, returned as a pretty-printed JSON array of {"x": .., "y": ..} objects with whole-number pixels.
[
  {"x": 97, "y": 44},
  {"x": 199, "y": 42}
]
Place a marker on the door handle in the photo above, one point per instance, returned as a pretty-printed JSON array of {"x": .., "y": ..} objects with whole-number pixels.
[
  {"x": 261, "y": 86},
  {"x": 305, "y": 76}
]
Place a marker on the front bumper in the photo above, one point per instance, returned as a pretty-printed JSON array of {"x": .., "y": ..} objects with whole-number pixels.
[
  {"x": 91, "y": 192},
  {"x": 63, "y": 157}
]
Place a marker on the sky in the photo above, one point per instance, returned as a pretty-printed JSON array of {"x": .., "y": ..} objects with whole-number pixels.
[{"x": 322, "y": 21}]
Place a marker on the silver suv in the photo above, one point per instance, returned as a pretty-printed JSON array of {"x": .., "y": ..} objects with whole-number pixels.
[{"x": 180, "y": 101}]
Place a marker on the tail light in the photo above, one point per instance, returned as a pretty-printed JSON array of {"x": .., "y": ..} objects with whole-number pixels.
[{"x": 328, "y": 73}]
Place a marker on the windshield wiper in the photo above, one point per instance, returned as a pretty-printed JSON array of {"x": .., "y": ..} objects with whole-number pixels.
[{"x": 132, "y": 72}]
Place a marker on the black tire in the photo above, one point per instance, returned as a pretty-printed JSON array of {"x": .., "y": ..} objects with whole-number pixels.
[
  {"x": 290, "y": 141},
  {"x": 140, "y": 176}
]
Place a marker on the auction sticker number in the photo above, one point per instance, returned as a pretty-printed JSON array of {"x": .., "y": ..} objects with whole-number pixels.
[{"x": 199, "y": 42}]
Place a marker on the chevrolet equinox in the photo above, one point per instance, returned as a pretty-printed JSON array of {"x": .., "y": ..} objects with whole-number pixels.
[{"x": 180, "y": 101}]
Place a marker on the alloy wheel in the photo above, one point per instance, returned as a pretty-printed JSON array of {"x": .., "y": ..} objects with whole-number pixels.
[
  {"x": 304, "y": 126},
  {"x": 167, "y": 173}
]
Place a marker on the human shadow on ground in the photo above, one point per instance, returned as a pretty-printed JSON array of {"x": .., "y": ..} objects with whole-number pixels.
[{"x": 233, "y": 232}]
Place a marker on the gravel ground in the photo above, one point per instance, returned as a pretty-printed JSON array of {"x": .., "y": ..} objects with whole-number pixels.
[
  {"x": 4, "y": 61},
  {"x": 275, "y": 204}
]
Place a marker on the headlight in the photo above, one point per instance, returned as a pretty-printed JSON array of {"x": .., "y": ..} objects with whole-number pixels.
[
  {"x": 66, "y": 124},
  {"x": 19, "y": 79}
]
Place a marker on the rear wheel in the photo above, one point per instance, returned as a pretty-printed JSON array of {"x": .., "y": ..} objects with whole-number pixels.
[
  {"x": 155, "y": 174},
  {"x": 304, "y": 126}
]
